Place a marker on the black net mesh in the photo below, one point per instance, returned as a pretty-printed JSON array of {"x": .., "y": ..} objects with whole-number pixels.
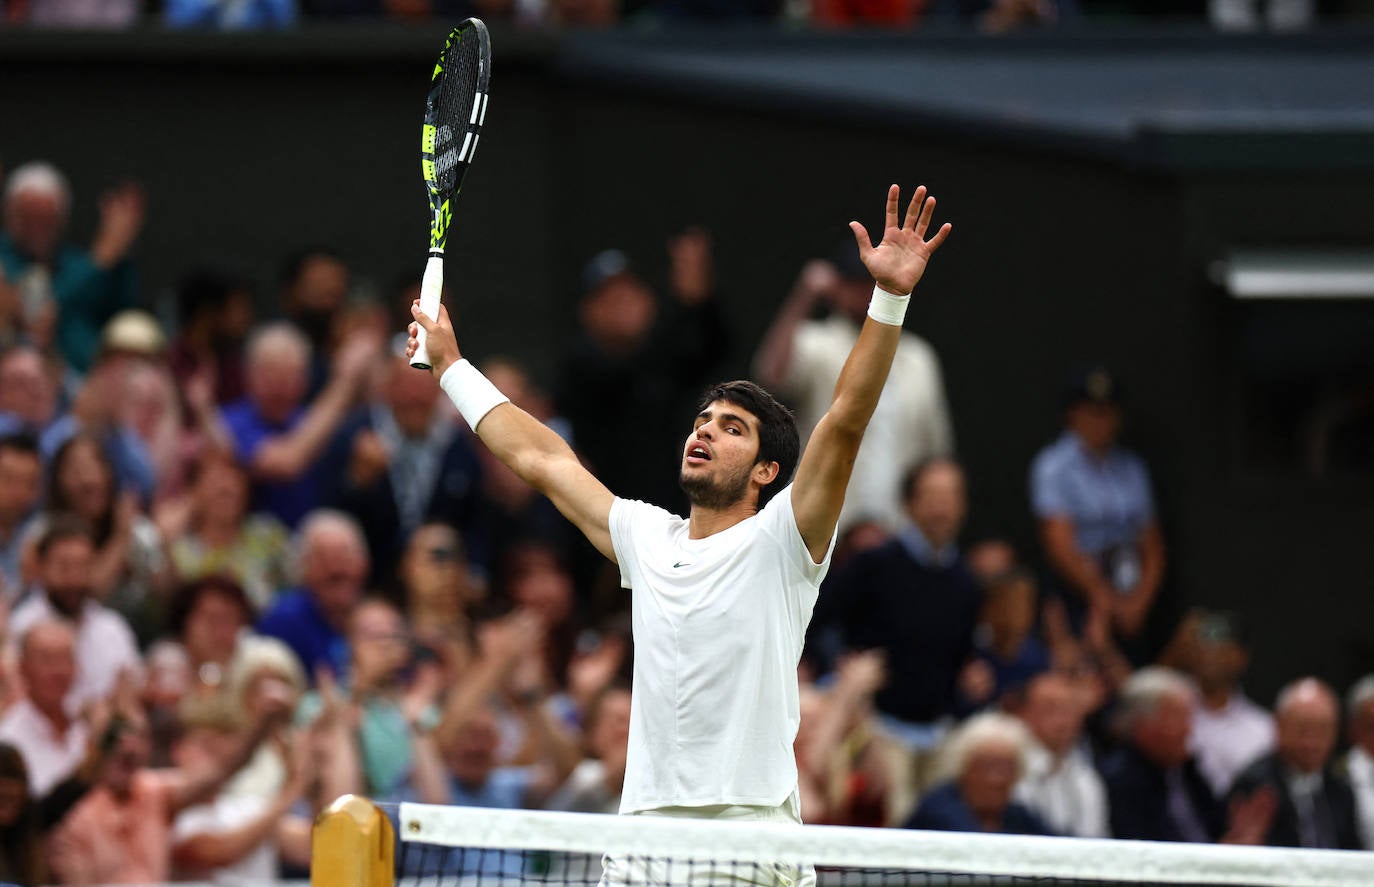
[{"x": 449, "y": 106}]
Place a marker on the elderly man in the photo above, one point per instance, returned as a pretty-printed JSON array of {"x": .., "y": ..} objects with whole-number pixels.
[
  {"x": 83, "y": 288},
  {"x": 313, "y": 618},
  {"x": 1359, "y": 762},
  {"x": 105, "y": 644},
  {"x": 51, "y": 741},
  {"x": 21, "y": 484},
  {"x": 275, "y": 433},
  {"x": 407, "y": 464},
  {"x": 1060, "y": 783},
  {"x": 1316, "y": 807}
]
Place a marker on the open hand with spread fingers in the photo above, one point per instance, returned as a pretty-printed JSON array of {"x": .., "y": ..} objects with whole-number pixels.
[{"x": 899, "y": 261}]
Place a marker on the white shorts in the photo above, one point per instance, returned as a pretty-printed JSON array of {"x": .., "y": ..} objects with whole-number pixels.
[{"x": 641, "y": 872}]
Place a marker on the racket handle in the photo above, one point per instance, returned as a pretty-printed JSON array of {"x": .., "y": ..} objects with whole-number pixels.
[{"x": 430, "y": 287}]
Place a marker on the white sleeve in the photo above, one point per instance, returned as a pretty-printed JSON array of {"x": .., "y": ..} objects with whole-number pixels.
[
  {"x": 778, "y": 521},
  {"x": 622, "y": 521},
  {"x": 201, "y": 819}
]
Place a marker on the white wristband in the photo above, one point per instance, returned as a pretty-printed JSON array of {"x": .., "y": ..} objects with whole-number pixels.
[
  {"x": 888, "y": 308},
  {"x": 471, "y": 392}
]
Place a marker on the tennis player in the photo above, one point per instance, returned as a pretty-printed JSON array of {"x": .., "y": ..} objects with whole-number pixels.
[{"x": 722, "y": 599}]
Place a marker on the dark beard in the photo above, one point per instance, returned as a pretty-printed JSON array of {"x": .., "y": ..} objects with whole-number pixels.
[{"x": 703, "y": 492}]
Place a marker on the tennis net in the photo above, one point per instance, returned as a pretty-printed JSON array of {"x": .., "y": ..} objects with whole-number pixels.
[{"x": 458, "y": 846}]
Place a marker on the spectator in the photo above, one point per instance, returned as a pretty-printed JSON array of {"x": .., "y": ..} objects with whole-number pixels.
[
  {"x": 801, "y": 359},
  {"x": 1097, "y": 515},
  {"x": 129, "y": 572},
  {"x": 595, "y": 784},
  {"x": 535, "y": 578},
  {"x": 1316, "y": 807},
  {"x": 393, "y": 715},
  {"x": 207, "y": 617},
  {"x": 121, "y": 832},
  {"x": 1229, "y": 731},
  {"x": 311, "y": 620},
  {"x": 21, "y": 475},
  {"x": 52, "y": 742},
  {"x": 914, "y": 599},
  {"x": 228, "y": 15},
  {"x": 1060, "y": 783},
  {"x": 1007, "y": 652},
  {"x": 439, "y": 593},
  {"x": 986, "y": 758},
  {"x": 407, "y": 463},
  {"x": 276, "y": 435},
  {"x": 636, "y": 362},
  {"x": 1154, "y": 789},
  {"x": 990, "y": 559},
  {"x": 216, "y": 313},
  {"x": 1359, "y": 762},
  {"x": 83, "y": 289},
  {"x": 314, "y": 295},
  {"x": 105, "y": 645},
  {"x": 21, "y": 833},
  {"x": 221, "y": 537},
  {"x": 28, "y": 392}
]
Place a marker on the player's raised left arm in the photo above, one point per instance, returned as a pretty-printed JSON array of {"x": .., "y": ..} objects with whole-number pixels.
[{"x": 897, "y": 264}]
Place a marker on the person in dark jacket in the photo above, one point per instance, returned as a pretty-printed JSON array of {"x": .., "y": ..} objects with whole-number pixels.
[{"x": 1316, "y": 807}]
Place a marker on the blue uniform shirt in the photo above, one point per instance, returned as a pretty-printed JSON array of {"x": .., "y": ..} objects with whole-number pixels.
[{"x": 1108, "y": 500}]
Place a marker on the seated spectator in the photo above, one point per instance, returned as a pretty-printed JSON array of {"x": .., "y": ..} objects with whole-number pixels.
[
  {"x": 439, "y": 594},
  {"x": 52, "y": 742},
  {"x": 393, "y": 714},
  {"x": 129, "y": 572},
  {"x": 263, "y": 671},
  {"x": 1097, "y": 515},
  {"x": 207, "y": 617},
  {"x": 21, "y": 484},
  {"x": 1229, "y": 731},
  {"x": 215, "y": 313},
  {"x": 914, "y": 599},
  {"x": 21, "y": 833},
  {"x": 28, "y": 393},
  {"x": 595, "y": 784},
  {"x": 105, "y": 645},
  {"x": 1316, "y": 807},
  {"x": 82, "y": 289},
  {"x": 233, "y": 837},
  {"x": 1155, "y": 791},
  {"x": 1359, "y": 761},
  {"x": 801, "y": 359},
  {"x": 121, "y": 831},
  {"x": 1006, "y": 648},
  {"x": 314, "y": 297},
  {"x": 1060, "y": 783},
  {"x": 986, "y": 758},
  {"x": 408, "y": 463},
  {"x": 312, "y": 619},
  {"x": 277, "y": 436},
  {"x": 221, "y": 537}
]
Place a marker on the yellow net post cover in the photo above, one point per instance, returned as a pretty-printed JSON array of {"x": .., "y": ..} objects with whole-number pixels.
[{"x": 352, "y": 845}]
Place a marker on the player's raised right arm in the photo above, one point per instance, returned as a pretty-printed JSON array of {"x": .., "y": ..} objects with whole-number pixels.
[{"x": 529, "y": 447}]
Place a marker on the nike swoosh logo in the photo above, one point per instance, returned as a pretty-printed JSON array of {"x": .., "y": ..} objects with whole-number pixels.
[{"x": 680, "y": 564}]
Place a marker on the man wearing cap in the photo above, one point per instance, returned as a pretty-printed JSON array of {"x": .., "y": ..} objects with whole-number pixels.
[
  {"x": 637, "y": 364},
  {"x": 801, "y": 358},
  {"x": 1096, "y": 512}
]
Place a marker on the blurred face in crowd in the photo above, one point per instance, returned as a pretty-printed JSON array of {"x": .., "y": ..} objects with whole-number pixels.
[
  {"x": 221, "y": 492},
  {"x": 1009, "y": 609},
  {"x": 938, "y": 503},
  {"x": 85, "y": 479},
  {"x": 851, "y": 297},
  {"x": 471, "y": 754},
  {"x": 321, "y": 286},
  {"x": 21, "y": 482},
  {"x": 26, "y": 388},
  {"x": 610, "y": 732},
  {"x": 65, "y": 573},
  {"x": 201, "y": 748},
  {"x": 435, "y": 572},
  {"x": 1053, "y": 712},
  {"x": 1161, "y": 735},
  {"x": 212, "y": 626},
  {"x": 335, "y": 569},
  {"x": 278, "y": 378},
  {"x": 379, "y": 642},
  {"x": 539, "y": 583},
  {"x": 1097, "y": 424},
  {"x": 47, "y": 663},
  {"x": 1307, "y": 724},
  {"x": 989, "y": 774},
  {"x": 1218, "y": 664},
  {"x": 168, "y": 669},
  {"x": 35, "y": 218},
  {"x": 130, "y": 754},
  {"x": 13, "y": 794},
  {"x": 411, "y": 396},
  {"x": 1362, "y": 727},
  {"x": 991, "y": 558},
  {"x": 619, "y": 313}
]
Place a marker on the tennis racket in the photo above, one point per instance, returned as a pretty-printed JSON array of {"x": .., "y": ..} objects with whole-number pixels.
[{"x": 454, "y": 111}]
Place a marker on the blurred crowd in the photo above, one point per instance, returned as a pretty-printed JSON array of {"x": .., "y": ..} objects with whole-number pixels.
[
  {"x": 250, "y": 564},
  {"x": 990, "y": 15}
]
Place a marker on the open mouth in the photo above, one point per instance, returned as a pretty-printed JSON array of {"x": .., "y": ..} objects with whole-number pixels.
[{"x": 698, "y": 455}]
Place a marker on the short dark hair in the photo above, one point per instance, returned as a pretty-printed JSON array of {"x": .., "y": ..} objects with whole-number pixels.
[
  {"x": 912, "y": 478},
  {"x": 190, "y": 593},
  {"x": 294, "y": 264},
  {"x": 61, "y": 528},
  {"x": 778, "y": 438},
  {"x": 20, "y": 442}
]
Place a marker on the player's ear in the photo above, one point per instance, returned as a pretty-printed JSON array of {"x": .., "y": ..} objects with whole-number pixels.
[{"x": 766, "y": 472}]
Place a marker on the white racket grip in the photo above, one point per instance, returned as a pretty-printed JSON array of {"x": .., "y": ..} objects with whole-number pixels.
[{"x": 430, "y": 287}]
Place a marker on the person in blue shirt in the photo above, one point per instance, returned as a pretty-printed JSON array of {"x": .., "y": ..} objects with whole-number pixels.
[
  {"x": 80, "y": 289},
  {"x": 1096, "y": 512}
]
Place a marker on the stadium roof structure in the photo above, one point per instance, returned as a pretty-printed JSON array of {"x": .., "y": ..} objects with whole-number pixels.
[{"x": 1172, "y": 100}]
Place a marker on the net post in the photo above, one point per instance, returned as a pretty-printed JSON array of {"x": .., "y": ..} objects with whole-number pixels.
[{"x": 352, "y": 845}]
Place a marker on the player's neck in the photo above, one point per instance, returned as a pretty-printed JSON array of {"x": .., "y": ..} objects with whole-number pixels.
[{"x": 703, "y": 521}]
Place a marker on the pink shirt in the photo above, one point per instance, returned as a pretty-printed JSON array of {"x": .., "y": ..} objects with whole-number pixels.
[{"x": 108, "y": 840}]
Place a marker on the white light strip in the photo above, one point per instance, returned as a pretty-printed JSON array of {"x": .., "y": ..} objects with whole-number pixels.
[
  {"x": 1299, "y": 275},
  {"x": 1134, "y": 862}
]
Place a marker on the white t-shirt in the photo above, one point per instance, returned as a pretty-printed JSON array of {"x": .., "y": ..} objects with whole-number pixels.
[
  {"x": 223, "y": 815},
  {"x": 718, "y": 624},
  {"x": 105, "y": 646}
]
